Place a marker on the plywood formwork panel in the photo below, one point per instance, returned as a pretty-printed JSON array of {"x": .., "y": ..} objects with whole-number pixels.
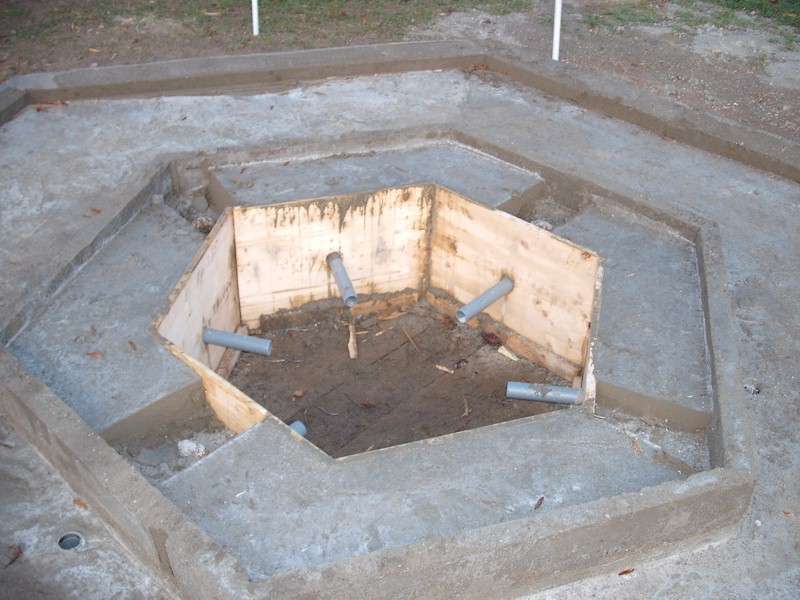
[
  {"x": 207, "y": 295},
  {"x": 281, "y": 249},
  {"x": 473, "y": 247}
]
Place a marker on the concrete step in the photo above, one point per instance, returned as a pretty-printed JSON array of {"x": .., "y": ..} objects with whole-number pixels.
[
  {"x": 650, "y": 359},
  {"x": 277, "y": 502},
  {"x": 94, "y": 346},
  {"x": 481, "y": 177}
]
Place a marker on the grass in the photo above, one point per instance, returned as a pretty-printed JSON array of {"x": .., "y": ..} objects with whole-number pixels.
[
  {"x": 300, "y": 22},
  {"x": 785, "y": 12},
  {"x": 691, "y": 15},
  {"x": 631, "y": 13}
]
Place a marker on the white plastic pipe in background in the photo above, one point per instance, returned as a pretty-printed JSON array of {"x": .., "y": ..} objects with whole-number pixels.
[
  {"x": 556, "y": 29},
  {"x": 255, "y": 17}
]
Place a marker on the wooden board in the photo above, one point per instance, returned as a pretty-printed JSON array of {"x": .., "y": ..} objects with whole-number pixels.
[
  {"x": 281, "y": 249},
  {"x": 235, "y": 409},
  {"x": 206, "y": 296},
  {"x": 229, "y": 358},
  {"x": 473, "y": 247}
]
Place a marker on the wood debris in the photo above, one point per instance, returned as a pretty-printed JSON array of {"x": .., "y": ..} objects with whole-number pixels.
[
  {"x": 394, "y": 315},
  {"x": 410, "y": 339},
  {"x": 467, "y": 409},
  {"x": 507, "y": 353},
  {"x": 445, "y": 369},
  {"x": 352, "y": 343}
]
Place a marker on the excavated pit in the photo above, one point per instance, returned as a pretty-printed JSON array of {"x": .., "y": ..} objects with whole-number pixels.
[{"x": 418, "y": 374}]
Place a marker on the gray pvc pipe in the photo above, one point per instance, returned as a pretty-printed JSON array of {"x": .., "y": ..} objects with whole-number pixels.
[
  {"x": 539, "y": 392},
  {"x": 245, "y": 343},
  {"x": 298, "y": 427},
  {"x": 487, "y": 298},
  {"x": 346, "y": 289}
]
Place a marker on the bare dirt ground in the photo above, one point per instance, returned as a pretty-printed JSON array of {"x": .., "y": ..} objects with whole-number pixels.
[
  {"x": 739, "y": 65},
  {"x": 416, "y": 376}
]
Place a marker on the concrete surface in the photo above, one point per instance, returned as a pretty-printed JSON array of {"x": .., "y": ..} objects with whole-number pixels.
[
  {"x": 479, "y": 176},
  {"x": 248, "y": 502},
  {"x": 756, "y": 213},
  {"x": 94, "y": 346},
  {"x": 651, "y": 331},
  {"x": 37, "y": 507}
]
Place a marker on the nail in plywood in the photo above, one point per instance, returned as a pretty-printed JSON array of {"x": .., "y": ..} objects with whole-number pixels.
[
  {"x": 473, "y": 247},
  {"x": 281, "y": 249},
  {"x": 206, "y": 296}
]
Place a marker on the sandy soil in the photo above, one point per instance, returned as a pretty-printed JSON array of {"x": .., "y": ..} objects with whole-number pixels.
[
  {"x": 748, "y": 71},
  {"x": 417, "y": 375}
]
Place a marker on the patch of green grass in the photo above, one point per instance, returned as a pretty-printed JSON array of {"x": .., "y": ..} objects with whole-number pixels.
[
  {"x": 786, "y": 12},
  {"x": 728, "y": 19},
  {"x": 300, "y": 22},
  {"x": 690, "y": 19},
  {"x": 629, "y": 13},
  {"x": 788, "y": 40}
]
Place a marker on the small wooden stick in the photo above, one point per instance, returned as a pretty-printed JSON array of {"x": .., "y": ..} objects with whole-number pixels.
[
  {"x": 413, "y": 343},
  {"x": 352, "y": 344}
]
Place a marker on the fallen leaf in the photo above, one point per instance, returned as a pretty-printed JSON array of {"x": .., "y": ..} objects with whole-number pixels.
[
  {"x": 539, "y": 503},
  {"x": 94, "y": 50},
  {"x": 449, "y": 322},
  {"x": 297, "y": 394},
  {"x": 791, "y": 516},
  {"x": 366, "y": 404},
  {"x": 445, "y": 369},
  {"x": 42, "y": 106},
  {"x": 132, "y": 345},
  {"x": 14, "y": 552},
  {"x": 80, "y": 504},
  {"x": 626, "y": 571},
  {"x": 491, "y": 339},
  {"x": 95, "y": 211},
  {"x": 97, "y": 355}
]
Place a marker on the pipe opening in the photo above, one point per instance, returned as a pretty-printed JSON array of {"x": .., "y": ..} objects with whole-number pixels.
[{"x": 70, "y": 541}]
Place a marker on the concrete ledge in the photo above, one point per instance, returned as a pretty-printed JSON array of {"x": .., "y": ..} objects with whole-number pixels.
[
  {"x": 220, "y": 74},
  {"x": 499, "y": 561},
  {"x": 142, "y": 190},
  {"x": 671, "y": 414},
  {"x": 624, "y": 101},
  {"x": 609, "y": 96},
  {"x": 11, "y": 102}
]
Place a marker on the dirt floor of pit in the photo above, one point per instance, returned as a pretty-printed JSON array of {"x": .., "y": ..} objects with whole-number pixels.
[{"x": 417, "y": 375}]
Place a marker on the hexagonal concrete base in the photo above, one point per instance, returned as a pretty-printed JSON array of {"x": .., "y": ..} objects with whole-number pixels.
[{"x": 496, "y": 512}]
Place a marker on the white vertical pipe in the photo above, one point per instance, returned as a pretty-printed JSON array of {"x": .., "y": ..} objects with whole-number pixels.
[
  {"x": 557, "y": 30},
  {"x": 255, "y": 17}
]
